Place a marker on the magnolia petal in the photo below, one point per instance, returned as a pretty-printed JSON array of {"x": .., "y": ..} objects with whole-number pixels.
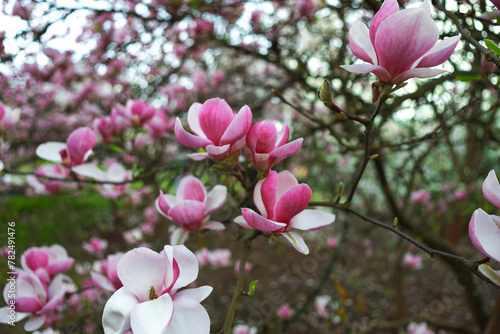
[
  {"x": 379, "y": 71},
  {"x": 213, "y": 225},
  {"x": 89, "y": 170},
  {"x": 50, "y": 151},
  {"x": 492, "y": 275},
  {"x": 101, "y": 282},
  {"x": 388, "y": 8},
  {"x": 2, "y": 166},
  {"x": 187, "y": 139},
  {"x": 297, "y": 241},
  {"x": 216, "y": 198},
  {"x": 266, "y": 138},
  {"x": 417, "y": 73},
  {"x": 217, "y": 150},
  {"x": 261, "y": 160},
  {"x": 257, "y": 198},
  {"x": 215, "y": 116},
  {"x": 28, "y": 304},
  {"x": 253, "y": 135},
  {"x": 162, "y": 205},
  {"x": 116, "y": 314},
  {"x": 191, "y": 188},
  {"x": 286, "y": 181},
  {"x": 239, "y": 126},
  {"x": 240, "y": 220},
  {"x": 283, "y": 136},
  {"x": 198, "y": 156},
  {"x": 34, "y": 323},
  {"x": 288, "y": 149},
  {"x": 198, "y": 294},
  {"x": 188, "y": 213},
  {"x": 179, "y": 236},
  {"x": 360, "y": 43},
  {"x": 140, "y": 269},
  {"x": 193, "y": 119},
  {"x": 5, "y": 315},
  {"x": 292, "y": 202},
  {"x": 484, "y": 232},
  {"x": 311, "y": 220},
  {"x": 189, "y": 317},
  {"x": 187, "y": 263},
  {"x": 153, "y": 316},
  {"x": 268, "y": 192},
  {"x": 260, "y": 223},
  {"x": 440, "y": 52},
  {"x": 80, "y": 143},
  {"x": 491, "y": 189}
]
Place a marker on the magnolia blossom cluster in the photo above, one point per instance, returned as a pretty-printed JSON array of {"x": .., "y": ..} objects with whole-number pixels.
[
  {"x": 40, "y": 287},
  {"x": 484, "y": 229}
]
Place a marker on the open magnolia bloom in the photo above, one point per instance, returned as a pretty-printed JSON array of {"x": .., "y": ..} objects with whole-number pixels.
[
  {"x": 399, "y": 44},
  {"x": 216, "y": 129},
  {"x": 191, "y": 207},
  {"x": 149, "y": 301},
  {"x": 46, "y": 262},
  {"x": 115, "y": 172},
  {"x": 76, "y": 150},
  {"x": 282, "y": 202}
]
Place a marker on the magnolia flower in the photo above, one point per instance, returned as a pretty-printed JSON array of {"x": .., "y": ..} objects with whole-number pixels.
[
  {"x": 158, "y": 125},
  {"x": 46, "y": 262},
  {"x": 138, "y": 113},
  {"x": 76, "y": 150},
  {"x": 321, "y": 304},
  {"x": 420, "y": 196},
  {"x": 105, "y": 127},
  {"x": 108, "y": 278},
  {"x": 284, "y": 312},
  {"x": 266, "y": 147},
  {"x": 115, "y": 173},
  {"x": 191, "y": 207},
  {"x": 419, "y": 328},
  {"x": 95, "y": 245},
  {"x": 282, "y": 202},
  {"x": 47, "y": 186},
  {"x": 216, "y": 129},
  {"x": 244, "y": 329},
  {"x": 399, "y": 44},
  {"x": 411, "y": 261},
  {"x": 33, "y": 299},
  {"x": 149, "y": 301},
  {"x": 8, "y": 117}
]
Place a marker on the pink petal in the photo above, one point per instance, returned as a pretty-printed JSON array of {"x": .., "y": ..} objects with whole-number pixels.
[
  {"x": 5, "y": 315},
  {"x": 116, "y": 314},
  {"x": 360, "y": 43},
  {"x": 89, "y": 170},
  {"x": 187, "y": 139},
  {"x": 492, "y": 275},
  {"x": 253, "y": 135},
  {"x": 484, "y": 232},
  {"x": 189, "y": 317},
  {"x": 198, "y": 156},
  {"x": 268, "y": 192},
  {"x": 162, "y": 205},
  {"x": 50, "y": 151},
  {"x": 292, "y": 202},
  {"x": 417, "y": 73},
  {"x": 194, "y": 119},
  {"x": 215, "y": 116},
  {"x": 260, "y": 223},
  {"x": 35, "y": 258},
  {"x": 152, "y": 317},
  {"x": 240, "y": 220},
  {"x": 257, "y": 198},
  {"x": 239, "y": 127},
  {"x": 189, "y": 214},
  {"x": 297, "y": 241},
  {"x": 216, "y": 198},
  {"x": 288, "y": 149},
  {"x": 213, "y": 150},
  {"x": 101, "y": 282},
  {"x": 191, "y": 188},
  {"x": 379, "y": 71},
  {"x": 186, "y": 263},
  {"x": 388, "y": 8},
  {"x": 286, "y": 181},
  {"x": 403, "y": 38},
  {"x": 310, "y": 220},
  {"x": 267, "y": 138},
  {"x": 213, "y": 225},
  {"x": 283, "y": 135},
  {"x": 440, "y": 52},
  {"x": 60, "y": 266},
  {"x": 79, "y": 143},
  {"x": 28, "y": 304},
  {"x": 491, "y": 189},
  {"x": 139, "y": 270}
]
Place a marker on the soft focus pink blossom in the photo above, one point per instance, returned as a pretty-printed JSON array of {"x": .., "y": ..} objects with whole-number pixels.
[
  {"x": 411, "y": 261},
  {"x": 284, "y": 312},
  {"x": 244, "y": 329},
  {"x": 248, "y": 266},
  {"x": 282, "y": 202},
  {"x": 8, "y": 117},
  {"x": 266, "y": 147},
  {"x": 420, "y": 196},
  {"x": 95, "y": 245},
  {"x": 133, "y": 236},
  {"x": 159, "y": 125},
  {"x": 46, "y": 262},
  {"x": 138, "y": 113},
  {"x": 321, "y": 304},
  {"x": 149, "y": 301},
  {"x": 43, "y": 185},
  {"x": 461, "y": 195},
  {"x": 216, "y": 129},
  {"x": 191, "y": 207},
  {"x": 115, "y": 173},
  {"x": 106, "y": 276},
  {"x": 418, "y": 328},
  {"x": 332, "y": 242},
  {"x": 399, "y": 44}
]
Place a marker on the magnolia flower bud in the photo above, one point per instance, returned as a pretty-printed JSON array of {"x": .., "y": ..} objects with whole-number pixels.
[{"x": 325, "y": 93}]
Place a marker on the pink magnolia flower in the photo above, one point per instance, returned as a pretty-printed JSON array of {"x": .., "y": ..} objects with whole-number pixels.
[
  {"x": 149, "y": 301},
  {"x": 216, "y": 129},
  {"x": 47, "y": 186},
  {"x": 419, "y": 328},
  {"x": 420, "y": 196},
  {"x": 105, "y": 127},
  {"x": 411, "y": 261},
  {"x": 191, "y": 207},
  {"x": 76, "y": 150},
  {"x": 107, "y": 277},
  {"x": 332, "y": 242},
  {"x": 158, "y": 125},
  {"x": 95, "y": 245},
  {"x": 220, "y": 257},
  {"x": 8, "y": 117},
  {"x": 138, "y": 113},
  {"x": 248, "y": 266},
  {"x": 114, "y": 173},
  {"x": 321, "y": 304},
  {"x": 461, "y": 195},
  {"x": 244, "y": 329},
  {"x": 46, "y": 262},
  {"x": 282, "y": 202},
  {"x": 266, "y": 147},
  {"x": 285, "y": 312},
  {"x": 399, "y": 44},
  {"x": 33, "y": 299}
]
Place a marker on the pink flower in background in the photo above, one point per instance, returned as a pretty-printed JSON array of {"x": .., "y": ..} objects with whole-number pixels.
[
  {"x": 220, "y": 257},
  {"x": 115, "y": 173},
  {"x": 461, "y": 195},
  {"x": 282, "y": 202},
  {"x": 266, "y": 147},
  {"x": 244, "y": 329},
  {"x": 76, "y": 150},
  {"x": 46, "y": 262},
  {"x": 420, "y": 196},
  {"x": 47, "y": 186},
  {"x": 285, "y": 312},
  {"x": 248, "y": 266},
  {"x": 95, "y": 245},
  {"x": 105, "y": 127},
  {"x": 158, "y": 125},
  {"x": 8, "y": 117},
  {"x": 133, "y": 236},
  {"x": 216, "y": 129},
  {"x": 321, "y": 304},
  {"x": 419, "y": 328},
  {"x": 332, "y": 242},
  {"x": 191, "y": 207},
  {"x": 411, "y": 261},
  {"x": 138, "y": 113},
  {"x": 149, "y": 301},
  {"x": 107, "y": 277},
  {"x": 399, "y": 44}
]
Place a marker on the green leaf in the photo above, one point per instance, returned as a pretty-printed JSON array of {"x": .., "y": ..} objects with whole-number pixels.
[
  {"x": 115, "y": 148},
  {"x": 251, "y": 287},
  {"x": 468, "y": 78},
  {"x": 492, "y": 46}
]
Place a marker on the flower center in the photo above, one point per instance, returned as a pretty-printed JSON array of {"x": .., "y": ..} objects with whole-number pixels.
[{"x": 152, "y": 293}]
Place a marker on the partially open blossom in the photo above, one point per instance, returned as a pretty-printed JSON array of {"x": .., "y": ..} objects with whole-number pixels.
[
  {"x": 418, "y": 328},
  {"x": 266, "y": 147},
  {"x": 282, "y": 202},
  {"x": 285, "y": 312},
  {"x": 411, "y": 261},
  {"x": 107, "y": 277},
  {"x": 138, "y": 112},
  {"x": 216, "y": 129},
  {"x": 158, "y": 125},
  {"x": 46, "y": 262},
  {"x": 8, "y": 117},
  {"x": 191, "y": 207},
  {"x": 42, "y": 185},
  {"x": 95, "y": 245},
  {"x": 33, "y": 299},
  {"x": 115, "y": 173},
  {"x": 399, "y": 44},
  {"x": 149, "y": 301},
  {"x": 105, "y": 127},
  {"x": 76, "y": 150}
]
